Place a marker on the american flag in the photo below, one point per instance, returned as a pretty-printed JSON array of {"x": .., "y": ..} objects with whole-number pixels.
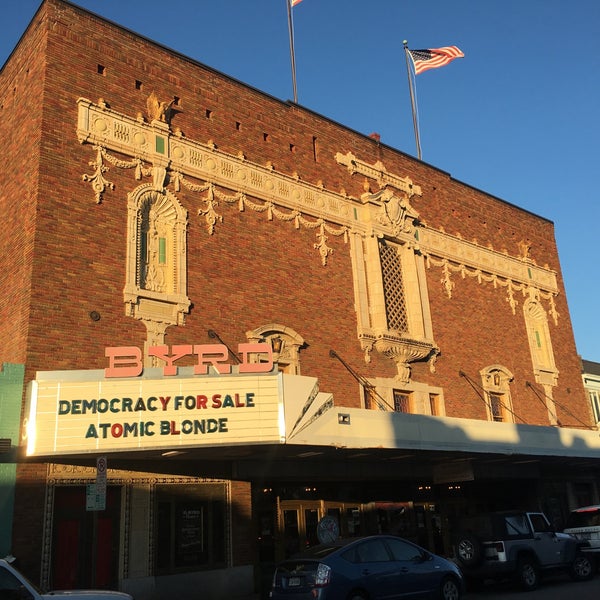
[
  {"x": 433, "y": 58},
  {"x": 294, "y": 2}
]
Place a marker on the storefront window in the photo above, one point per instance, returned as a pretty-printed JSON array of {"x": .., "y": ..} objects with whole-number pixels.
[{"x": 190, "y": 529}]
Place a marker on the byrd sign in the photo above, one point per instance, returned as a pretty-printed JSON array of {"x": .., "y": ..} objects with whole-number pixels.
[
  {"x": 126, "y": 361},
  {"x": 126, "y": 407}
]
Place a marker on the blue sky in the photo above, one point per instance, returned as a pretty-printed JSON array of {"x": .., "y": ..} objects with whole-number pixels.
[{"x": 518, "y": 117}]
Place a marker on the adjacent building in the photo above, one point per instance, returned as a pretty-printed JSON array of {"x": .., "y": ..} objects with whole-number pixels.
[
  {"x": 591, "y": 383},
  {"x": 224, "y": 317}
]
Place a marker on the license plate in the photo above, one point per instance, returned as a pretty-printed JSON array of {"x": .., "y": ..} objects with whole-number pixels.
[{"x": 294, "y": 582}]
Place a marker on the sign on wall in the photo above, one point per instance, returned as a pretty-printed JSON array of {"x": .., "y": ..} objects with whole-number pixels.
[{"x": 74, "y": 412}]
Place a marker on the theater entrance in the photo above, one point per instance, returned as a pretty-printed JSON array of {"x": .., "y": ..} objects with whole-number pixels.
[{"x": 299, "y": 521}]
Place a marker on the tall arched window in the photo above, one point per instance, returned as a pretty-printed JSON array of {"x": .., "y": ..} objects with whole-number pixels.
[{"x": 540, "y": 344}]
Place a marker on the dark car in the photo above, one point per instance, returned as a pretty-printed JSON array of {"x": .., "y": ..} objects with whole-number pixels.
[{"x": 372, "y": 568}]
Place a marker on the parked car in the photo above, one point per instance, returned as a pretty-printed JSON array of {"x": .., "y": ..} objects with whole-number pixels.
[
  {"x": 519, "y": 545},
  {"x": 15, "y": 586},
  {"x": 374, "y": 567},
  {"x": 584, "y": 524}
]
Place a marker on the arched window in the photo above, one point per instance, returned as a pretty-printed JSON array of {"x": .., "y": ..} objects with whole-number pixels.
[
  {"x": 495, "y": 381},
  {"x": 540, "y": 344},
  {"x": 156, "y": 275},
  {"x": 157, "y": 246}
]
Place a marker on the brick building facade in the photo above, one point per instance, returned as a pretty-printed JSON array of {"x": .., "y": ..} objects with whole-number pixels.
[{"x": 150, "y": 201}]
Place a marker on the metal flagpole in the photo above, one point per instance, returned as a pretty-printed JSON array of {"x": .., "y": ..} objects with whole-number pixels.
[
  {"x": 292, "y": 54},
  {"x": 412, "y": 102}
]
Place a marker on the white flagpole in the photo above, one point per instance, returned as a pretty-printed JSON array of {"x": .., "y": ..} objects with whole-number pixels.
[
  {"x": 412, "y": 102},
  {"x": 292, "y": 54}
]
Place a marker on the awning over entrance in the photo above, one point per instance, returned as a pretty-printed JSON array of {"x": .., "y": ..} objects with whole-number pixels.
[
  {"x": 358, "y": 428},
  {"x": 238, "y": 425}
]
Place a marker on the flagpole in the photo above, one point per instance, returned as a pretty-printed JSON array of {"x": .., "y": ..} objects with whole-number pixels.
[
  {"x": 292, "y": 54},
  {"x": 412, "y": 102}
]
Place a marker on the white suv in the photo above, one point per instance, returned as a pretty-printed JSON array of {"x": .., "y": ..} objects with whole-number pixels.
[{"x": 584, "y": 524}]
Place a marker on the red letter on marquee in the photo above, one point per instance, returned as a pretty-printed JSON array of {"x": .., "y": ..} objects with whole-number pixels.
[
  {"x": 162, "y": 352},
  {"x": 258, "y": 367},
  {"x": 124, "y": 361},
  {"x": 213, "y": 354}
]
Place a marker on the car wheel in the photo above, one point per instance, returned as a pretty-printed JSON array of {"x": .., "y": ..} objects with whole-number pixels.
[
  {"x": 450, "y": 589},
  {"x": 528, "y": 574},
  {"x": 468, "y": 550},
  {"x": 581, "y": 569}
]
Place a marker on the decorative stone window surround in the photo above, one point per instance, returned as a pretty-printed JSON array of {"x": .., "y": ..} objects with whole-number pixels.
[
  {"x": 291, "y": 344},
  {"x": 420, "y": 394},
  {"x": 496, "y": 379},
  {"x": 156, "y": 309}
]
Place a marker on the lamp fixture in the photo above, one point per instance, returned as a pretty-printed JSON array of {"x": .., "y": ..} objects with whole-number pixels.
[{"x": 276, "y": 344}]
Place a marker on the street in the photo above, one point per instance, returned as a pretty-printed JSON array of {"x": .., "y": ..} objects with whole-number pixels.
[{"x": 556, "y": 587}]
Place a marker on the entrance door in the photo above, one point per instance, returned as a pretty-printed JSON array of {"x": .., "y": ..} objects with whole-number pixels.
[
  {"x": 299, "y": 519},
  {"x": 299, "y": 524},
  {"x": 85, "y": 549}
]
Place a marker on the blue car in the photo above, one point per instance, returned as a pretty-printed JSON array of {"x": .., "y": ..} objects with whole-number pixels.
[{"x": 371, "y": 568}]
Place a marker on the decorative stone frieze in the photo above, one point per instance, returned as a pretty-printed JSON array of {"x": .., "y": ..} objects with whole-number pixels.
[
  {"x": 378, "y": 173},
  {"x": 284, "y": 197},
  {"x": 308, "y": 205},
  {"x": 173, "y": 161}
]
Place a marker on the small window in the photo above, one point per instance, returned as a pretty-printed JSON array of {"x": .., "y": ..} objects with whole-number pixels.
[
  {"x": 434, "y": 404},
  {"x": 162, "y": 250},
  {"x": 496, "y": 407},
  {"x": 401, "y": 401}
]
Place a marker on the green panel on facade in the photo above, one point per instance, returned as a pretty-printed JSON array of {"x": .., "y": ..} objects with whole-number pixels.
[
  {"x": 11, "y": 395},
  {"x": 160, "y": 144}
]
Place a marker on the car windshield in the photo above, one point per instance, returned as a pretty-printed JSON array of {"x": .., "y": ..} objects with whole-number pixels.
[{"x": 589, "y": 517}]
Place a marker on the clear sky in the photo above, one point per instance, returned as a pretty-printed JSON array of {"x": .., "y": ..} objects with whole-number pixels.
[{"x": 518, "y": 116}]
